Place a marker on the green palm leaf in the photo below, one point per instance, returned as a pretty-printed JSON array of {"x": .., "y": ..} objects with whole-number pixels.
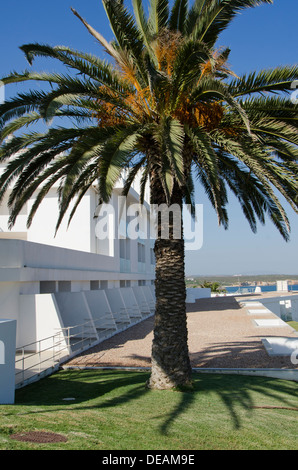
[
  {"x": 158, "y": 17},
  {"x": 178, "y": 15}
]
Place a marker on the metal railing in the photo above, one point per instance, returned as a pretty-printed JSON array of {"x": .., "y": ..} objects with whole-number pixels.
[
  {"x": 34, "y": 358},
  {"x": 78, "y": 337},
  {"x": 245, "y": 290},
  {"x": 40, "y": 357}
]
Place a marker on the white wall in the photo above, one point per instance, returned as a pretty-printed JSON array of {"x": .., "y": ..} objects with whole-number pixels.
[
  {"x": 76, "y": 237},
  {"x": 27, "y": 266},
  {"x": 7, "y": 361},
  {"x": 46, "y": 261},
  {"x": 284, "y": 306},
  {"x": 80, "y": 234},
  {"x": 193, "y": 293},
  {"x": 9, "y": 300}
]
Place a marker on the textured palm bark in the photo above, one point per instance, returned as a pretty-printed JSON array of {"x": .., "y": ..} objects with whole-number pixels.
[{"x": 170, "y": 358}]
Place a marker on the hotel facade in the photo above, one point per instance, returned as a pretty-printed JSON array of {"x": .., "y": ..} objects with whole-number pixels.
[{"x": 70, "y": 290}]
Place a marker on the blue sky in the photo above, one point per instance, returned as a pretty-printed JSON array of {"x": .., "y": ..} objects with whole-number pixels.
[{"x": 261, "y": 37}]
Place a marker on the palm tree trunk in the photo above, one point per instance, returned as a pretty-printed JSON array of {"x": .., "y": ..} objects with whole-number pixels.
[{"x": 170, "y": 358}]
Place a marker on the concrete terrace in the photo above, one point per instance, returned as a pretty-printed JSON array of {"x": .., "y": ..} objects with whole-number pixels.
[{"x": 222, "y": 334}]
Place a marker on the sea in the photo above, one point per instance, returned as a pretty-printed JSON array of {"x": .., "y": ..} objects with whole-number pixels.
[{"x": 246, "y": 289}]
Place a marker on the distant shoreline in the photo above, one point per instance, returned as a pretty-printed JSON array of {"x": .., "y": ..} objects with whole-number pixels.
[{"x": 243, "y": 281}]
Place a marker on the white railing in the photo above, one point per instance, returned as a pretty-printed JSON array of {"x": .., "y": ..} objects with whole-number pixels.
[
  {"x": 42, "y": 356},
  {"x": 78, "y": 337},
  {"x": 37, "y": 357}
]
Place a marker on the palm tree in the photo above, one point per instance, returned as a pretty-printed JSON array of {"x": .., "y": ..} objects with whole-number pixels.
[
  {"x": 165, "y": 104},
  {"x": 214, "y": 286}
]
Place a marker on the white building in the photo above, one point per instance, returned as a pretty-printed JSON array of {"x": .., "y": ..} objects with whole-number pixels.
[{"x": 74, "y": 289}]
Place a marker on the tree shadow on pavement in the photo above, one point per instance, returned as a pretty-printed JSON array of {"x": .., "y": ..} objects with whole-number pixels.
[
  {"x": 213, "y": 304},
  {"x": 239, "y": 354}
]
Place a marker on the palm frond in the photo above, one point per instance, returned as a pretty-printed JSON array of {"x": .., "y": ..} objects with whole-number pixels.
[
  {"x": 210, "y": 18},
  {"x": 159, "y": 15},
  {"x": 260, "y": 162},
  {"x": 107, "y": 46},
  {"x": 22, "y": 103},
  {"x": 124, "y": 28},
  {"x": 165, "y": 107},
  {"x": 205, "y": 163},
  {"x": 115, "y": 156},
  {"x": 82, "y": 62},
  {"x": 178, "y": 15},
  {"x": 50, "y": 175},
  {"x": 18, "y": 123},
  {"x": 209, "y": 88},
  {"x": 277, "y": 79},
  {"x": 142, "y": 22}
]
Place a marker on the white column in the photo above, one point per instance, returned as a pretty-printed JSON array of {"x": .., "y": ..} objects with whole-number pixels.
[{"x": 7, "y": 361}]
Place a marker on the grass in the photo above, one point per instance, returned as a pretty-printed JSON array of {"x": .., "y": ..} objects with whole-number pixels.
[
  {"x": 293, "y": 324},
  {"x": 113, "y": 410}
]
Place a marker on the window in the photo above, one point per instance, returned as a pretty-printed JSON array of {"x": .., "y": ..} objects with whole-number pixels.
[
  {"x": 124, "y": 248},
  {"x": 152, "y": 256},
  {"x": 141, "y": 253},
  {"x": 124, "y": 244},
  {"x": 94, "y": 285},
  {"x": 64, "y": 286},
  {"x": 47, "y": 287}
]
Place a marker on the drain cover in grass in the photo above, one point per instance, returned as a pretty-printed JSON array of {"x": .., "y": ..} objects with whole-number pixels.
[{"x": 39, "y": 437}]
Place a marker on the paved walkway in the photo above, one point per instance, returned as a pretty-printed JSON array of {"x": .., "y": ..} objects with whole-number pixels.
[{"x": 221, "y": 334}]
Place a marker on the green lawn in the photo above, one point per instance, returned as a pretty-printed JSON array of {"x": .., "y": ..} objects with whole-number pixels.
[
  {"x": 113, "y": 410},
  {"x": 293, "y": 324}
]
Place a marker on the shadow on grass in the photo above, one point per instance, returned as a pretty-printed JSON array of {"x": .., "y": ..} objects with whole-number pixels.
[
  {"x": 105, "y": 389},
  {"x": 236, "y": 393}
]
